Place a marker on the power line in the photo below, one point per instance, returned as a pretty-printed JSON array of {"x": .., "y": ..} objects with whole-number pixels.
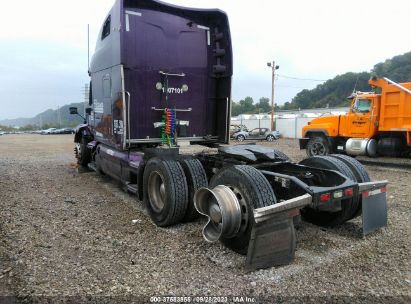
[
  {"x": 288, "y": 86},
  {"x": 297, "y": 78}
]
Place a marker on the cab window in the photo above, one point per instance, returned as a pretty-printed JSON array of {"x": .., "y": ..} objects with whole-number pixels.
[
  {"x": 362, "y": 105},
  {"x": 106, "y": 28}
]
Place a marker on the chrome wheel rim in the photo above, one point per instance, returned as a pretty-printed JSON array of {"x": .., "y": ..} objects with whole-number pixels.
[
  {"x": 243, "y": 207},
  {"x": 156, "y": 191},
  {"x": 220, "y": 205}
]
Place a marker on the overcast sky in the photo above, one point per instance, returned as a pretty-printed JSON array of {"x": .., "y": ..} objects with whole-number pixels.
[{"x": 43, "y": 45}]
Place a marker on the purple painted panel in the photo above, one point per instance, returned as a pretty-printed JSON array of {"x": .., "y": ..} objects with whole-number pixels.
[
  {"x": 158, "y": 40},
  {"x": 149, "y": 36},
  {"x": 144, "y": 96},
  {"x": 136, "y": 157},
  {"x": 161, "y": 37},
  {"x": 162, "y": 42}
]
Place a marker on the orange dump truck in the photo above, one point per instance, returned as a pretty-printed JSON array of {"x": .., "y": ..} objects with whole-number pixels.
[{"x": 378, "y": 123}]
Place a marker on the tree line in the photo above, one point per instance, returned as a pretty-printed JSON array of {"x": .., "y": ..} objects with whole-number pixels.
[
  {"x": 334, "y": 92},
  {"x": 247, "y": 106}
]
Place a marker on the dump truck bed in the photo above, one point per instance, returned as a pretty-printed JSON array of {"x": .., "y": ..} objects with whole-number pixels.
[{"x": 395, "y": 112}]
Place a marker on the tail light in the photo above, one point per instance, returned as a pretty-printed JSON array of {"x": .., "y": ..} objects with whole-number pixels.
[
  {"x": 349, "y": 192},
  {"x": 325, "y": 197}
]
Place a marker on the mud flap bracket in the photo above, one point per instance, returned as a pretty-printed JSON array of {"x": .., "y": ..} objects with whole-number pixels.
[{"x": 273, "y": 239}]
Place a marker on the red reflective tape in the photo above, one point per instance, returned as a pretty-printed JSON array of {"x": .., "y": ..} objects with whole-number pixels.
[{"x": 374, "y": 192}]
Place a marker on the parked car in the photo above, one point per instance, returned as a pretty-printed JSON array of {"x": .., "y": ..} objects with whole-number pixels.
[
  {"x": 64, "y": 131},
  {"x": 68, "y": 131},
  {"x": 257, "y": 133},
  {"x": 48, "y": 131},
  {"x": 237, "y": 128}
]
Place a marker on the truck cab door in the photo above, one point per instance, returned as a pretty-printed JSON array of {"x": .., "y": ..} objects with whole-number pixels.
[{"x": 360, "y": 118}]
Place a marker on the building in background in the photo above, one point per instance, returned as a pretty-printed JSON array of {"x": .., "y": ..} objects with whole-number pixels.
[{"x": 289, "y": 123}]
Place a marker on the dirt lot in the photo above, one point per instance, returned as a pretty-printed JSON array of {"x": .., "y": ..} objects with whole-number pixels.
[{"x": 65, "y": 235}]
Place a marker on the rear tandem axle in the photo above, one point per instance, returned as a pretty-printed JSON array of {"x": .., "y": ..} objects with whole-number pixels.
[{"x": 251, "y": 195}]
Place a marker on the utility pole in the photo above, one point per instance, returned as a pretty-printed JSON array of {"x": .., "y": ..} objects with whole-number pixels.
[
  {"x": 88, "y": 48},
  {"x": 273, "y": 68}
]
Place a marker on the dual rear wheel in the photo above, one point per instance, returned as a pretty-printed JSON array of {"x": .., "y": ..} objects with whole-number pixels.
[
  {"x": 170, "y": 186},
  {"x": 350, "y": 208}
]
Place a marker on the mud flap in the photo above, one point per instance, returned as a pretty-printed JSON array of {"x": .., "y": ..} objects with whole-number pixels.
[
  {"x": 374, "y": 206},
  {"x": 273, "y": 239}
]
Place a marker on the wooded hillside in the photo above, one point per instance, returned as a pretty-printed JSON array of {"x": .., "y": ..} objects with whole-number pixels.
[{"x": 334, "y": 91}]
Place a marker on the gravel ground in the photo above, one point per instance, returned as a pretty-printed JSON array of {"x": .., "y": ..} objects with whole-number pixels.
[{"x": 75, "y": 237}]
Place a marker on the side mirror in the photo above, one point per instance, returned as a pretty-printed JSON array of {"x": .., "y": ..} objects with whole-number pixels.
[
  {"x": 73, "y": 110},
  {"x": 88, "y": 111}
]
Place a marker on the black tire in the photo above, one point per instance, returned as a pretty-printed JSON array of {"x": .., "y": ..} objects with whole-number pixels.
[
  {"x": 240, "y": 137},
  {"x": 360, "y": 173},
  {"x": 318, "y": 146},
  {"x": 281, "y": 155},
  {"x": 253, "y": 191},
  {"x": 167, "y": 208},
  {"x": 84, "y": 155},
  {"x": 270, "y": 138},
  {"x": 348, "y": 206},
  {"x": 196, "y": 178}
]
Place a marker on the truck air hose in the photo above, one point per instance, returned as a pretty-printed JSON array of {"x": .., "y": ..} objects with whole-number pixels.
[
  {"x": 163, "y": 128},
  {"x": 169, "y": 127},
  {"x": 172, "y": 124}
]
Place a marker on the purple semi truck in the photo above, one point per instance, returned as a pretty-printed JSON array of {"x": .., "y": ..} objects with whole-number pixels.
[{"x": 160, "y": 80}]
